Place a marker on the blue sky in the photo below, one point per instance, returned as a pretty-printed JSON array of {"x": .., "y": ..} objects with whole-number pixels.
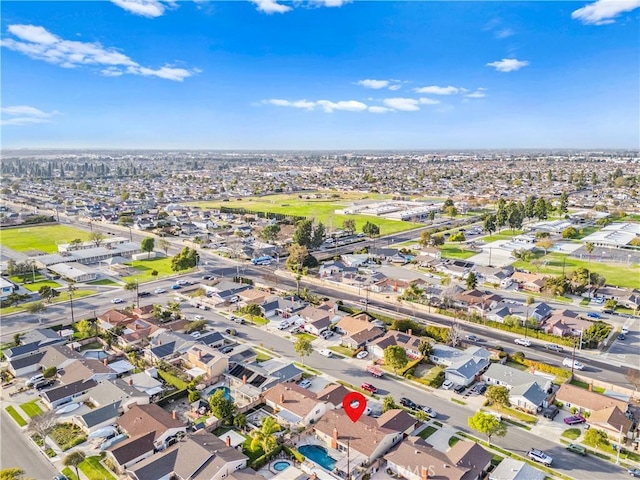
[{"x": 325, "y": 74}]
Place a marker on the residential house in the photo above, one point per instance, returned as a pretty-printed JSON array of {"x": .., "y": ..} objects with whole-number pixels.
[
  {"x": 408, "y": 341},
  {"x": 131, "y": 451},
  {"x": 526, "y": 390},
  {"x": 25, "y": 359},
  {"x": 332, "y": 394},
  {"x": 294, "y": 406},
  {"x": 98, "y": 418},
  {"x": 613, "y": 421},
  {"x": 455, "y": 268},
  {"x": 249, "y": 381},
  {"x": 146, "y": 382},
  {"x": 391, "y": 255},
  {"x": 565, "y": 323},
  {"x": 85, "y": 369},
  {"x": 415, "y": 459},
  {"x": 167, "y": 345},
  {"x": 206, "y": 361},
  {"x": 432, "y": 252},
  {"x": 224, "y": 290},
  {"x": 283, "y": 307},
  {"x": 315, "y": 320},
  {"x": 528, "y": 397},
  {"x": 201, "y": 456},
  {"x": 7, "y": 288},
  {"x": 63, "y": 394},
  {"x": 586, "y": 401},
  {"x": 461, "y": 367},
  {"x": 512, "y": 469},
  {"x": 253, "y": 296},
  {"x": 475, "y": 300},
  {"x": 531, "y": 282},
  {"x": 114, "y": 318},
  {"x": 367, "y": 440},
  {"x": 540, "y": 311},
  {"x": 142, "y": 419},
  {"x": 496, "y": 275}
]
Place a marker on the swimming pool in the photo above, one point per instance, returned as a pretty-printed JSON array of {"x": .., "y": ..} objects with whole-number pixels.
[
  {"x": 281, "y": 465},
  {"x": 227, "y": 392},
  {"x": 99, "y": 354},
  {"x": 318, "y": 455}
]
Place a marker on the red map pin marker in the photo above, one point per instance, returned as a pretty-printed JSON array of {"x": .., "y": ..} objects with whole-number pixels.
[{"x": 354, "y": 404}]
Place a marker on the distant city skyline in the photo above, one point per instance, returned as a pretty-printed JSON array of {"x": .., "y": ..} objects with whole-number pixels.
[{"x": 321, "y": 75}]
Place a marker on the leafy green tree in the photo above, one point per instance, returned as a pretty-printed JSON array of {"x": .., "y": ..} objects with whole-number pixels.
[
  {"x": 514, "y": 216},
  {"x": 47, "y": 293},
  {"x": 596, "y": 438},
  {"x": 395, "y": 357},
  {"x": 425, "y": 238},
  {"x": 471, "y": 281},
  {"x": 540, "y": 209},
  {"x": 498, "y": 395},
  {"x": 270, "y": 233},
  {"x": 74, "y": 459},
  {"x": 563, "y": 206},
  {"x": 303, "y": 233},
  {"x": 425, "y": 348},
  {"x": 447, "y": 203},
  {"x": 371, "y": 229},
  {"x": 147, "y": 245},
  {"x": 37, "y": 309},
  {"x": 490, "y": 224},
  {"x": 240, "y": 421},
  {"x": 388, "y": 403},
  {"x": 545, "y": 244},
  {"x": 75, "y": 244},
  {"x": 12, "y": 474},
  {"x": 16, "y": 339},
  {"x": 529, "y": 206},
  {"x": 264, "y": 436},
  {"x": 451, "y": 211},
  {"x": 349, "y": 224},
  {"x": 319, "y": 233},
  {"x": 125, "y": 220},
  {"x": 186, "y": 259},
  {"x": 437, "y": 240},
  {"x": 97, "y": 238},
  {"x": 50, "y": 372},
  {"x": 488, "y": 425},
  {"x": 303, "y": 347},
  {"x": 570, "y": 232},
  {"x": 610, "y": 304},
  {"x": 221, "y": 406},
  {"x": 457, "y": 237}
]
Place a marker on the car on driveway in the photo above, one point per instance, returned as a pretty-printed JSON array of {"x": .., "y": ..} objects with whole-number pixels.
[
  {"x": 117, "y": 300},
  {"x": 362, "y": 354},
  {"x": 575, "y": 420},
  {"x": 522, "y": 341},
  {"x": 369, "y": 388},
  {"x": 550, "y": 412},
  {"x": 540, "y": 457},
  {"x": 459, "y": 389},
  {"x": 305, "y": 383},
  {"x": 575, "y": 448},
  {"x": 447, "y": 385},
  {"x": 479, "y": 389},
  {"x": 405, "y": 402},
  {"x": 160, "y": 290}
]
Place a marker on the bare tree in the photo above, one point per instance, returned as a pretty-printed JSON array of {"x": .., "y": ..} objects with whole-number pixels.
[
  {"x": 97, "y": 238},
  {"x": 164, "y": 245},
  {"x": 42, "y": 424},
  {"x": 455, "y": 333}
]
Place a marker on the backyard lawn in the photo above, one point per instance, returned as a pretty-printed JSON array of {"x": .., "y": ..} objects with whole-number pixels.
[
  {"x": 252, "y": 454},
  {"x": 618, "y": 274},
  {"x": 320, "y": 209},
  {"x": 31, "y": 408},
  {"x": 45, "y": 238},
  {"x": 94, "y": 470}
]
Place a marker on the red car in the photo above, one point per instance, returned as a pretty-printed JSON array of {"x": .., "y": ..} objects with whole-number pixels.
[
  {"x": 368, "y": 387},
  {"x": 575, "y": 420}
]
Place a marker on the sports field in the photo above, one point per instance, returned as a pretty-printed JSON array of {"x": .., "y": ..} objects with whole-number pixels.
[
  {"x": 45, "y": 238},
  {"x": 322, "y": 209}
]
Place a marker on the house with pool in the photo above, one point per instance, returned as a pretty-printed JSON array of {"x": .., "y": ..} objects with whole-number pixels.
[
  {"x": 294, "y": 406},
  {"x": 343, "y": 447}
]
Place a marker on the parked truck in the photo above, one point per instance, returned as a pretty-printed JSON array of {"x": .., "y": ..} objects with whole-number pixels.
[{"x": 375, "y": 371}]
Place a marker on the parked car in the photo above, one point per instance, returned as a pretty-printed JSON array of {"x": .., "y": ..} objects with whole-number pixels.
[
  {"x": 459, "y": 389},
  {"x": 447, "y": 384},
  {"x": 634, "y": 472},
  {"x": 182, "y": 282},
  {"x": 326, "y": 334},
  {"x": 540, "y": 457},
  {"x": 610, "y": 312},
  {"x": 429, "y": 411},
  {"x": 325, "y": 352},
  {"x": 42, "y": 384},
  {"x": 622, "y": 336},
  {"x": 575, "y": 448},
  {"x": 195, "y": 334},
  {"x": 117, "y": 300},
  {"x": 175, "y": 287},
  {"x": 625, "y": 330},
  {"x": 231, "y": 331},
  {"x": 554, "y": 347},
  {"x": 284, "y": 324},
  {"x": 550, "y": 412},
  {"x": 305, "y": 383},
  {"x": 575, "y": 420},
  {"x": 369, "y": 388},
  {"x": 239, "y": 320},
  {"x": 160, "y": 290},
  {"x": 226, "y": 349},
  {"x": 522, "y": 341},
  {"x": 208, "y": 277},
  {"x": 495, "y": 414},
  {"x": 35, "y": 379},
  {"x": 198, "y": 317},
  {"x": 60, "y": 477},
  {"x": 405, "y": 402},
  {"x": 479, "y": 389},
  {"x": 362, "y": 354},
  {"x": 567, "y": 362},
  {"x": 295, "y": 330},
  {"x": 593, "y": 315}
]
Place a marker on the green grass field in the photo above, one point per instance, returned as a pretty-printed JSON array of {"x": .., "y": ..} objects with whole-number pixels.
[
  {"x": 31, "y": 408},
  {"x": 43, "y": 238},
  {"x": 104, "y": 281},
  {"x": 16, "y": 416},
  {"x": 145, "y": 267},
  {"x": 503, "y": 235},
  {"x": 34, "y": 287},
  {"x": 321, "y": 209},
  {"x": 621, "y": 275},
  {"x": 454, "y": 251},
  {"x": 64, "y": 297}
]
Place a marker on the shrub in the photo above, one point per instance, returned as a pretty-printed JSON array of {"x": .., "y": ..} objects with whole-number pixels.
[
  {"x": 49, "y": 372},
  {"x": 518, "y": 357}
]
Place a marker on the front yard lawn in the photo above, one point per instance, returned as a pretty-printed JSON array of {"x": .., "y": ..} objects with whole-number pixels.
[
  {"x": 16, "y": 416},
  {"x": 94, "y": 470},
  {"x": 308, "y": 336},
  {"x": 516, "y": 414},
  {"x": 31, "y": 408},
  {"x": 67, "y": 435},
  {"x": 572, "y": 433},
  {"x": 347, "y": 352},
  {"x": 262, "y": 357},
  {"x": 70, "y": 474},
  {"x": 427, "y": 432},
  {"x": 104, "y": 281},
  {"x": 585, "y": 385}
]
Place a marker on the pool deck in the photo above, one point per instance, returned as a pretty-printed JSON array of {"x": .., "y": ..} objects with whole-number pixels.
[{"x": 342, "y": 462}]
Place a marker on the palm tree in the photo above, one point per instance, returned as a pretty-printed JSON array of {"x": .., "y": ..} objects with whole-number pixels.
[
  {"x": 131, "y": 286},
  {"x": 71, "y": 288},
  {"x": 589, "y": 247},
  {"x": 264, "y": 437},
  {"x": 73, "y": 460}
]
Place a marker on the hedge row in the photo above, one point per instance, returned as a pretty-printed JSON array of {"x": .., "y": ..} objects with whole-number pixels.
[{"x": 172, "y": 397}]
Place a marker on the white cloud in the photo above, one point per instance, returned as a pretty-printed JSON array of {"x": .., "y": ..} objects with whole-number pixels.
[
  {"x": 349, "y": 105},
  {"x": 428, "y": 101},
  {"x": 145, "y": 8},
  {"x": 477, "y": 94},
  {"x": 39, "y": 44},
  {"x": 404, "y": 104},
  {"x": 375, "y": 84},
  {"x": 278, "y": 102},
  {"x": 271, "y": 6},
  {"x": 24, "y": 115},
  {"x": 508, "y": 64},
  {"x": 603, "y": 12},
  {"x": 376, "y": 109},
  {"x": 504, "y": 33},
  {"x": 331, "y": 3},
  {"x": 395, "y": 87},
  {"x": 435, "y": 90}
]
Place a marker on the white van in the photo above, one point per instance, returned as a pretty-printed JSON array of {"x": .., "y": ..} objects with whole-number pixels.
[
  {"x": 35, "y": 379},
  {"x": 576, "y": 364},
  {"x": 284, "y": 324},
  {"x": 326, "y": 353}
]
